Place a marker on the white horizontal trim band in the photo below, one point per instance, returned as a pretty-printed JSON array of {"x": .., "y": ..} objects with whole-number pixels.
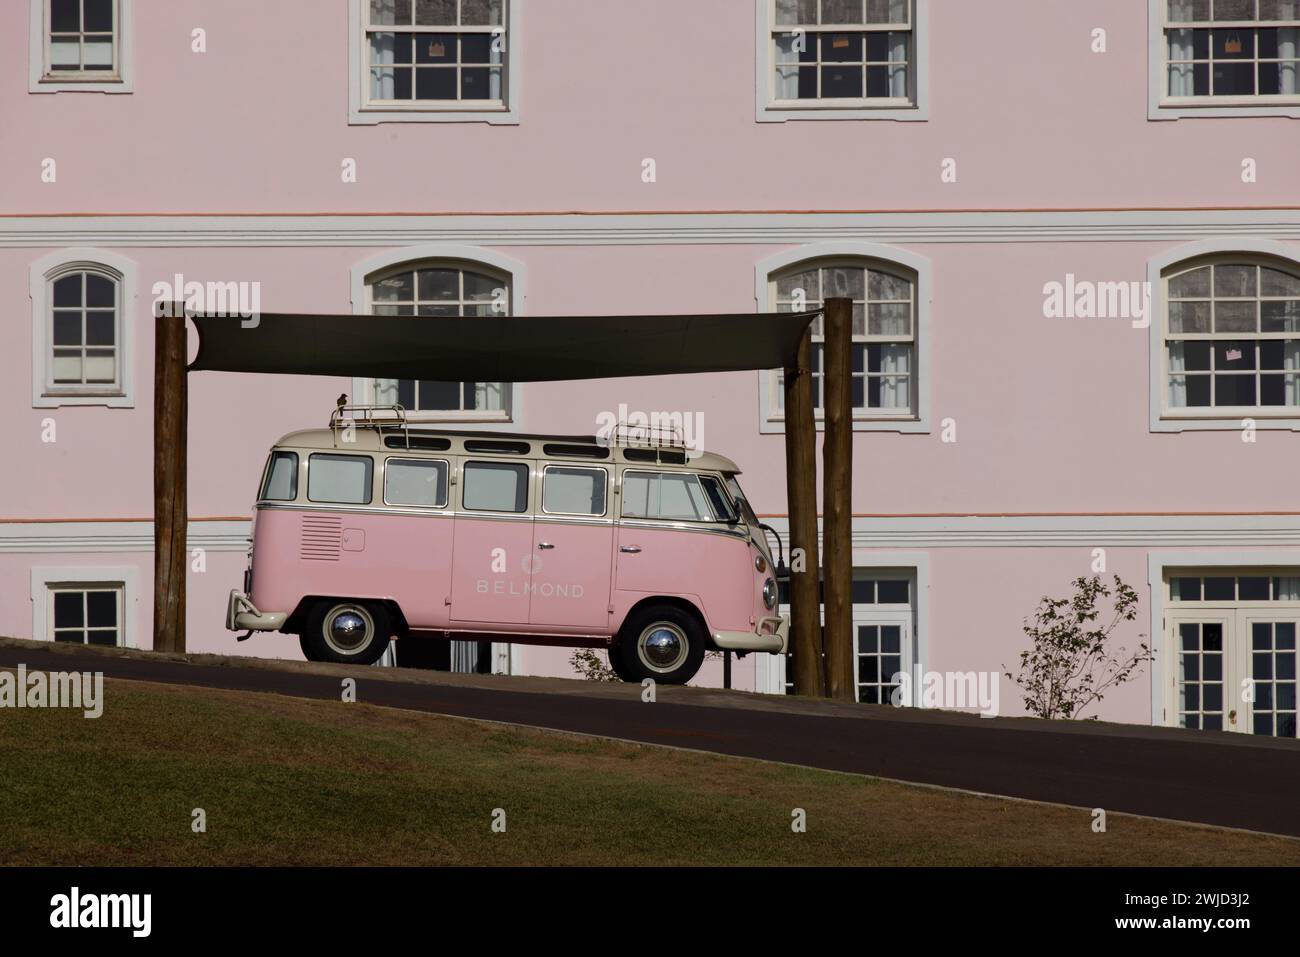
[
  {"x": 1007, "y": 531},
  {"x": 1068, "y": 531},
  {"x": 124, "y": 536},
  {"x": 565, "y": 229}
]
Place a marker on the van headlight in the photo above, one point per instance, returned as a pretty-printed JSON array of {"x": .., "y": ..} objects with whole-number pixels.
[{"x": 769, "y": 594}]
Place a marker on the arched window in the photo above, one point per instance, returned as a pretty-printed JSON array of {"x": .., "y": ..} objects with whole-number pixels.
[
  {"x": 81, "y": 339},
  {"x": 441, "y": 288},
  {"x": 884, "y": 363},
  {"x": 1231, "y": 337}
]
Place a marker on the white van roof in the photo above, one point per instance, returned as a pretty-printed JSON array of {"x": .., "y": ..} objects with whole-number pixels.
[{"x": 578, "y": 448}]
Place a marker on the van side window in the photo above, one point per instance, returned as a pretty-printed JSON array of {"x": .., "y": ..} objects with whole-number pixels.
[
  {"x": 415, "y": 482},
  {"x": 281, "y": 483},
  {"x": 496, "y": 486},
  {"x": 341, "y": 479},
  {"x": 573, "y": 491},
  {"x": 718, "y": 500},
  {"x": 674, "y": 496}
]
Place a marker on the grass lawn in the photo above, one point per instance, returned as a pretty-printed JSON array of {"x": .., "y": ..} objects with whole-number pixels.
[{"x": 290, "y": 781}]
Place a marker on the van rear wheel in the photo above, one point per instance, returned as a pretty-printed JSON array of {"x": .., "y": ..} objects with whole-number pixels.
[
  {"x": 346, "y": 632},
  {"x": 662, "y": 642}
]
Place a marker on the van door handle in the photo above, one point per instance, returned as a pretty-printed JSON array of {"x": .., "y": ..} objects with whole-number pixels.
[
  {"x": 630, "y": 549},
  {"x": 545, "y": 545}
]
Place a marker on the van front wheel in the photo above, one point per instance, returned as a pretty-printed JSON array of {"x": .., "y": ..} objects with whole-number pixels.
[
  {"x": 346, "y": 632},
  {"x": 660, "y": 642}
]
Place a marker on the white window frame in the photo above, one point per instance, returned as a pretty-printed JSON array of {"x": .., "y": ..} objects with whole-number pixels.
[
  {"x": 360, "y": 112},
  {"x": 41, "y": 79},
  {"x": 770, "y": 110},
  {"x": 1161, "y": 106},
  {"x": 1160, "y": 566},
  {"x": 462, "y": 257},
  {"x": 1196, "y": 419},
  {"x": 918, "y": 421},
  {"x": 46, "y": 578},
  {"x": 769, "y": 670},
  {"x": 42, "y": 274}
]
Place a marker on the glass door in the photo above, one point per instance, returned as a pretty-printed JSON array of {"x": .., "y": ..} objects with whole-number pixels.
[
  {"x": 1272, "y": 669},
  {"x": 1203, "y": 676}
]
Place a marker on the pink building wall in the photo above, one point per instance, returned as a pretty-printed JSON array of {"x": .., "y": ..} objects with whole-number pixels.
[{"x": 1051, "y": 415}]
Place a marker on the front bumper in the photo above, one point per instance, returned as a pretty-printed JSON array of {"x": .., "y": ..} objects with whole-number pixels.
[
  {"x": 771, "y": 635},
  {"x": 243, "y": 615}
]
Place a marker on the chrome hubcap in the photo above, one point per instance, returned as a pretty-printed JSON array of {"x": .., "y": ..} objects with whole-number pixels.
[
  {"x": 662, "y": 647},
  {"x": 348, "y": 629}
]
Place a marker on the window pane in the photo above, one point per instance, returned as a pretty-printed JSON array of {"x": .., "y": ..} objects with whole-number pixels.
[
  {"x": 796, "y": 11},
  {"x": 676, "y": 497},
  {"x": 67, "y": 365},
  {"x": 1191, "y": 285},
  {"x": 722, "y": 510},
  {"x": 888, "y": 11},
  {"x": 69, "y": 609},
  {"x": 415, "y": 482},
  {"x": 1280, "y": 316},
  {"x": 1234, "y": 79},
  {"x": 100, "y": 291},
  {"x": 386, "y": 12},
  {"x": 841, "y": 81},
  {"x": 1252, "y": 588},
  {"x": 1234, "y": 9},
  {"x": 67, "y": 291},
  {"x": 481, "y": 12},
  {"x": 101, "y": 609},
  {"x": 1234, "y": 280},
  {"x": 435, "y": 83},
  {"x": 65, "y": 54},
  {"x": 101, "y": 365},
  {"x": 841, "y": 47},
  {"x": 893, "y": 591},
  {"x": 1219, "y": 589},
  {"x": 67, "y": 328},
  {"x": 343, "y": 479},
  {"x": 282, "y": 477},
  {"x": 1234, "y": 355},
  {"x": 496, "y": 486},
  {"x": 99, "y": 16},
  {"x": 98, "y": 53},
  {"x": 65, "y": 16},
  {"x": 100, "y": 328},
  {"x": 1273, "y": 282},
  {"x": 1183, "y": 11},
  {"x": 841, "y": 11},
  {"x": 574, "y": 491},
  {"x": 435, "y": 13},
  {"x": 1189, "y": 317},
  {"x": 1231, "y": 390}
]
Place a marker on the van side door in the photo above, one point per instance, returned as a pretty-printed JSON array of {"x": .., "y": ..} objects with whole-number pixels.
[
  {"x": 574, "y": 543},
  {"x": 492, "y": 550}
]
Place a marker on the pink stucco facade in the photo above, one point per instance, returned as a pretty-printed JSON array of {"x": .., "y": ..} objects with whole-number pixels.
[{"x": 1033, "y": 442}]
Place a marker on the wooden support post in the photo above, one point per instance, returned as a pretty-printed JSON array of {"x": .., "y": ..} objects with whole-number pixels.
[
  {"x": 837, "y": 512},
  {"x": 170, "y": 515},
  {"x": 801, "y": 490}
]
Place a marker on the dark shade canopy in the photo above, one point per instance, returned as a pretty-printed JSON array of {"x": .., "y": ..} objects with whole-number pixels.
[{"x": 499, "y": 348}]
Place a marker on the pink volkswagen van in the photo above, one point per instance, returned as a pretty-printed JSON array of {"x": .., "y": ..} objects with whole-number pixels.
[{"x": 371, "y": 530}]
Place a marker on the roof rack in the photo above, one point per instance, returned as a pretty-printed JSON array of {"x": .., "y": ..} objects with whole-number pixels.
[
  {"x": 377, "y": 417},
  {"x": 644, "y": 436}
]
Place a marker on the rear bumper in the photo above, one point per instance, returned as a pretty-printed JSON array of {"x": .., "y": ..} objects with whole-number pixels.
[
  {"x": 771, "y": 635},
  {"x": 243, "y": 615}
]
